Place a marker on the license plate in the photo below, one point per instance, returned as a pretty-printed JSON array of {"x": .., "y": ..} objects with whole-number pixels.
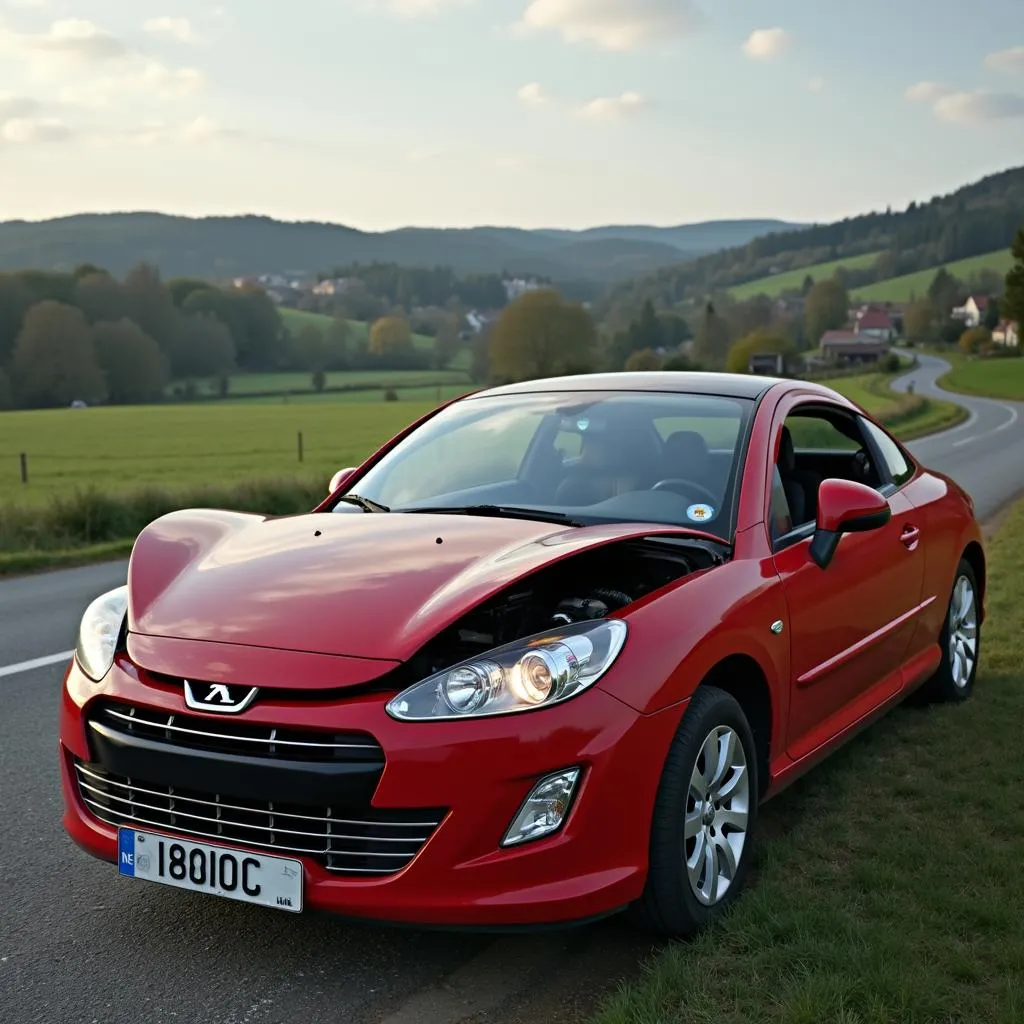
[{"x": 199, "y": 867}]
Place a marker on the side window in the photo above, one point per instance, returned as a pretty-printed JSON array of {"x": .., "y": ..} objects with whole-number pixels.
[{"x": 895, "y": 461}]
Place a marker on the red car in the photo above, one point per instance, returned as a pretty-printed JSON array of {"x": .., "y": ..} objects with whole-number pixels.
[{"x": 538, "y": 660}]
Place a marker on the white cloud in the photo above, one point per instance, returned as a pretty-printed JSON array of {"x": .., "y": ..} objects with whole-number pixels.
[
  {"x": 765, "y": 43},
  {"x": 609, "y": 108},
  {"x": 144, "y": 78},
  {"x": 418, "y": 8},
  {"x": 178, "y": 28},
  {"x": 925, "y": 92},
  {"x": 30, "y": 130},
  {"x": 816, "y": 85},
  {"x": 204, "y": 129},
  {"x": 16, "y": 106},
  {"x": 70, "y": 40},
  {"x": 613, "y": 24},
  {"x": 979, "y": 107},
  {"x": 534, "y": 95},
  {"x": 1009, "y": 61}
]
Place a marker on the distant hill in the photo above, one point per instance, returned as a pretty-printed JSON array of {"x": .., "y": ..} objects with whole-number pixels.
[
  {"x": 975, "y": 220},
  {"x": 221, "y": 247}
]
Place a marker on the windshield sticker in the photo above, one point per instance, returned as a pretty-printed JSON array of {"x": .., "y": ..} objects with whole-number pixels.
[
  {"x": 582, "y": 424},
  {"x": 700, "y": 513}
]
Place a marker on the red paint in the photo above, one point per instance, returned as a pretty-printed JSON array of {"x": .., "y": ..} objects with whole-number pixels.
[{"x": 318, "y": 605}]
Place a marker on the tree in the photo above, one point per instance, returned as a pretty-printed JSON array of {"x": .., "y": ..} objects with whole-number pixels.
[
  {"x": 446, "y": 341},
  {"x": 6, "y": 395},
  {"x": 541, "y": 335},
  {"x": 674, "y": 330},
  {"x": 100, "y": 297},
  {"x": 136, "y": 370},
  {"x": 976, "y": 341},
  {"x": 319, "y": 380},
  {"x": 1013, "y": 297},
  {"x": 761, "y": 340},
  {"x": 389, "y": 335},
  {"x": 805, "y": 288},
  {"x": 15, "y": 302},
  {"x": 644, "y": 360},
  {"x": 919, "y": 320},
  {"x": 943, "y": 292},
  {"x": 309, "y": 349},
  {"x": 336, "y": 338},
  {"x": 992, "y": 315},
  {"x": 201, "y": 347},
  {"x": 54, "y": 358},
  {"x": 826, "y": 309},
  {"x": 711, "y": 343}
]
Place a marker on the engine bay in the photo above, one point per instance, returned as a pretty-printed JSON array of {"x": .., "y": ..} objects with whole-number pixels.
[{"x": 583, "y": 587}]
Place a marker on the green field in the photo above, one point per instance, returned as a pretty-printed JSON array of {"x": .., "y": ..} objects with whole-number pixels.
[
  {"x": 988, "y": 378},
  {"x": 261, "y": 383},
  {"x": 903, "y": 289},
  {"x": 792, "y": 280},
  {"x": 888, "y": 886}
]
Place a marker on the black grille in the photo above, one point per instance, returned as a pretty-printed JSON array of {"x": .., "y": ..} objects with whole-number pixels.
[
  {"x": 370, "y": 843},
  {"x": 233, "y": 736}
]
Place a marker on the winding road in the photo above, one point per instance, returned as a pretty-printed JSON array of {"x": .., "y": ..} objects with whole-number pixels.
[{"x": 78, "y": 944}]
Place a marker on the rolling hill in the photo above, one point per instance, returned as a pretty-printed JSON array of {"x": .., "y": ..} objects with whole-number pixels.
[
  {"x": 221, "y": 247},
  {"x": 909, "y": 286}
]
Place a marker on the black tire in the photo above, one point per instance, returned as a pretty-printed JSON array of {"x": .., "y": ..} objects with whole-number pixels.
[
  {"x": 947, "y": 686},
  {"x": 669, "y": 905}
]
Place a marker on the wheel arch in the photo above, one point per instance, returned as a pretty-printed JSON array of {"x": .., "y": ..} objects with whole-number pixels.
[{"x": 974, "y": 554}]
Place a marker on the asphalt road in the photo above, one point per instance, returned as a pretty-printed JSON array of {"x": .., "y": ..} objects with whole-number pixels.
[{"x": 79, "y": 944}]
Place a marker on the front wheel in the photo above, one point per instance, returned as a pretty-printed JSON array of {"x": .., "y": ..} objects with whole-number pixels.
[
  {"x": 704, "y": 815},
  {"x": 960, "y": 641}
]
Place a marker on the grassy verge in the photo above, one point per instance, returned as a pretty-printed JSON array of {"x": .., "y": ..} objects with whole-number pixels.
[
  {"x": 993, "y": 377},
  {"x": 908, "y": 416},
  {"x": 888, "y": 887}
]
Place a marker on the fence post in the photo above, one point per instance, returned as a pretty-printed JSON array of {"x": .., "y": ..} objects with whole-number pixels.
[
  {"x": 24, "y": 467},
  {"x": 300, "y": 446}
]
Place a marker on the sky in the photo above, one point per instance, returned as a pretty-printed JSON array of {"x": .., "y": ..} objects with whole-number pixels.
[{"x": 537, "y": 113}]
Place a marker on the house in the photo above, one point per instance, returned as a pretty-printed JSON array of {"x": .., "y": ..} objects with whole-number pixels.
[
  {"x": 973, "y": 309},
  {"x": 1007, "y": 334},
  {"x": 519, "y": 286},
  {"x": 875, "y": 323},
  {"x": 332, "y": 286},
  {"x": 850, "y": 347},
  {"x": 772, "y": 364}
]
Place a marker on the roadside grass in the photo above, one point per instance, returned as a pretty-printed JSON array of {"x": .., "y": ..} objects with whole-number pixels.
[
  {"x": 1001, "y": 377},
  {"x": 888, "y": 887},
  {"x": 792, "y": 280},
  {"x": 905, "y": 288},
  {"x": 908, "y": 416}
]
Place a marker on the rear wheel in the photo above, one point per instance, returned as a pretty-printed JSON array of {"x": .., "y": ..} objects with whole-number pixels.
[
  {"x": 960, "y": 641},
  {"x": 704, "y": 815}
]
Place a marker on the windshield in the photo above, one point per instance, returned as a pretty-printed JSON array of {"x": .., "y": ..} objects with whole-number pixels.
[{"x": 594, "y": 457}]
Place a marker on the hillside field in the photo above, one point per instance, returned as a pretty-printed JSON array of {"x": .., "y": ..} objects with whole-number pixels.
[
  {"x": 792, "y": 280},
  {"x": 988, "y": 378},
  {"x": 904, "y": 289}
]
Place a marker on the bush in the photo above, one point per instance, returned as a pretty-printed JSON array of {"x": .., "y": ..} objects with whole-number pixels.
[{"x": 391, "y": 395}]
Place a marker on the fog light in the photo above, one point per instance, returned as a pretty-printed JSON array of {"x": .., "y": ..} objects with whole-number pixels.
[{"x": 544, "y": 809}]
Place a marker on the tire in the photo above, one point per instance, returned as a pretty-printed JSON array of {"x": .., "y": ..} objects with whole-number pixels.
[
  {"x": 675, "y": 902},
  {"x": 960, "y": 642}
]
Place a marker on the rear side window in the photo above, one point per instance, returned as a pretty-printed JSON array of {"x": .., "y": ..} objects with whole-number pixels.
[{"x": 900, "y": 469}]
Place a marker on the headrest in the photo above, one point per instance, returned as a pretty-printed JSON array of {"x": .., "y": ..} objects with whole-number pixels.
[{"x": 687, "y": 448}]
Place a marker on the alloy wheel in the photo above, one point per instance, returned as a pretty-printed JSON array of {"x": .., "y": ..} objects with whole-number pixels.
[
  {"x": 963, "y": 632},
  {"x": 717, "y": 815}
]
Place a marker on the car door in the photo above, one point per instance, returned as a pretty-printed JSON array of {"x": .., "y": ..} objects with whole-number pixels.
[{"x": 849, "y": 624}]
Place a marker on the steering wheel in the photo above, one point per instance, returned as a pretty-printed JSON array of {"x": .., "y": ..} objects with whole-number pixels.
[{"x": 687, "y": 487}]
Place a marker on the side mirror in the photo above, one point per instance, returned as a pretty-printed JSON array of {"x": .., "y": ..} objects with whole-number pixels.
[
  {"x": 845, "y": 507},
  {"x": 339, "y": 478}
]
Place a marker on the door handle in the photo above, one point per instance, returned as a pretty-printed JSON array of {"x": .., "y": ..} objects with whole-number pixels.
[{"x": 910, "y": 537}]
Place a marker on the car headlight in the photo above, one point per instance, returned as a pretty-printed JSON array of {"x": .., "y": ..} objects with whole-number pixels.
[
  {"x": 100, "y": 631},
  {"x": 534, "y": 672}
]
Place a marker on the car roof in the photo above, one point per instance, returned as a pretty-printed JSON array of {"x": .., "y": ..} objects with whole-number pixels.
[{"x": 728, "y": 385}]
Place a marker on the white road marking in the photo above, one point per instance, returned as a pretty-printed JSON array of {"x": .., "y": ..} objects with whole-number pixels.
[
  {"x": 1013, "y": 417},
  {"x": 29, "y": 666}
]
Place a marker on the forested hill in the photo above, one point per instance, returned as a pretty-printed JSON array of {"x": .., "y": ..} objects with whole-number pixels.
[
  {"x": 976, "y": 219},
  {"x": 220, "y": 247}
]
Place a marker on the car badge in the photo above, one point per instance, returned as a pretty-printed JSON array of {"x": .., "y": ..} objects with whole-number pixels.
[{"x": 228, "y": 700}]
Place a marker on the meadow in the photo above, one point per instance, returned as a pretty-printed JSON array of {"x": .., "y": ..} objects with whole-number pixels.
[
  {"x": 988, "y": 378},
  {"x": 910, "y": 286},
  {"x": 792, "y": 280},
  {"x": 879, "y": 894}
]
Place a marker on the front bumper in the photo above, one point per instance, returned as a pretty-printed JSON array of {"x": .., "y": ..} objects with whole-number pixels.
[{"x": 475, "y": 774}]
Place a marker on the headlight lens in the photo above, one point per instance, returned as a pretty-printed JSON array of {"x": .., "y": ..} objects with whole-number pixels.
[
  {"x": 99, "y": 632},
  {"x": 537, "y": 671}
]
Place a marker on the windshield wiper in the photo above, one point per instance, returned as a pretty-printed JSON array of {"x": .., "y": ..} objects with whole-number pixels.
[
  {"x": 499, "y": 511},
  {"x": 366, "y": 504}
]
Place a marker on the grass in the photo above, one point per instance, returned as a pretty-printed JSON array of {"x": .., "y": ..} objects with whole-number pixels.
[
  {"x": 300, "y": 383},
  {"x": 888, "y": 886},
  {"x": 905, "y": 288},
  {"x": 987, "y": 378},
  {"x": 792, "y": 280},
  {"x": 359, "y": 330}
]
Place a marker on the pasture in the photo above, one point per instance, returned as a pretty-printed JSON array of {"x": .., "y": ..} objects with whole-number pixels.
[
  {"x": 909, "y": 286},
  {"x": 792, "y": 280},
  {"x": 989, "y": 378}
]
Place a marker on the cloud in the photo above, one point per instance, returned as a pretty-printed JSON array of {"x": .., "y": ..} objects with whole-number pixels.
[
  {"x": 145, "y": 78},
  {"x": 418, "y": 8},
  {"x": 979, "y": 107},
  {"x": 1009, "y": 61},
  {"x": 16, "y": 106},
  {"x": 816, "y": 85},
  {"x": 925, "y": 92},
  {"x": 177, "y": 28},
  {"x": 70, "y": 40},
  {"x": 610, "y": 108},
  {"x": 612, "y": 24},
  {"x": 26, "y": 131},
  {"x": 203, "y": 130},
  {"x": 534, "y": 95},
  {"x": 765, "y": 43}
]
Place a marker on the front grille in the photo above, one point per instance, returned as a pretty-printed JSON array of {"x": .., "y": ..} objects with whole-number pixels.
[
  {"x": 374, "y": 843},
  {"x": 233, "y": 736}
]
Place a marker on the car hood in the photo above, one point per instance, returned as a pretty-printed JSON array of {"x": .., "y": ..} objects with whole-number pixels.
[{"x": 375, "y": 586}]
